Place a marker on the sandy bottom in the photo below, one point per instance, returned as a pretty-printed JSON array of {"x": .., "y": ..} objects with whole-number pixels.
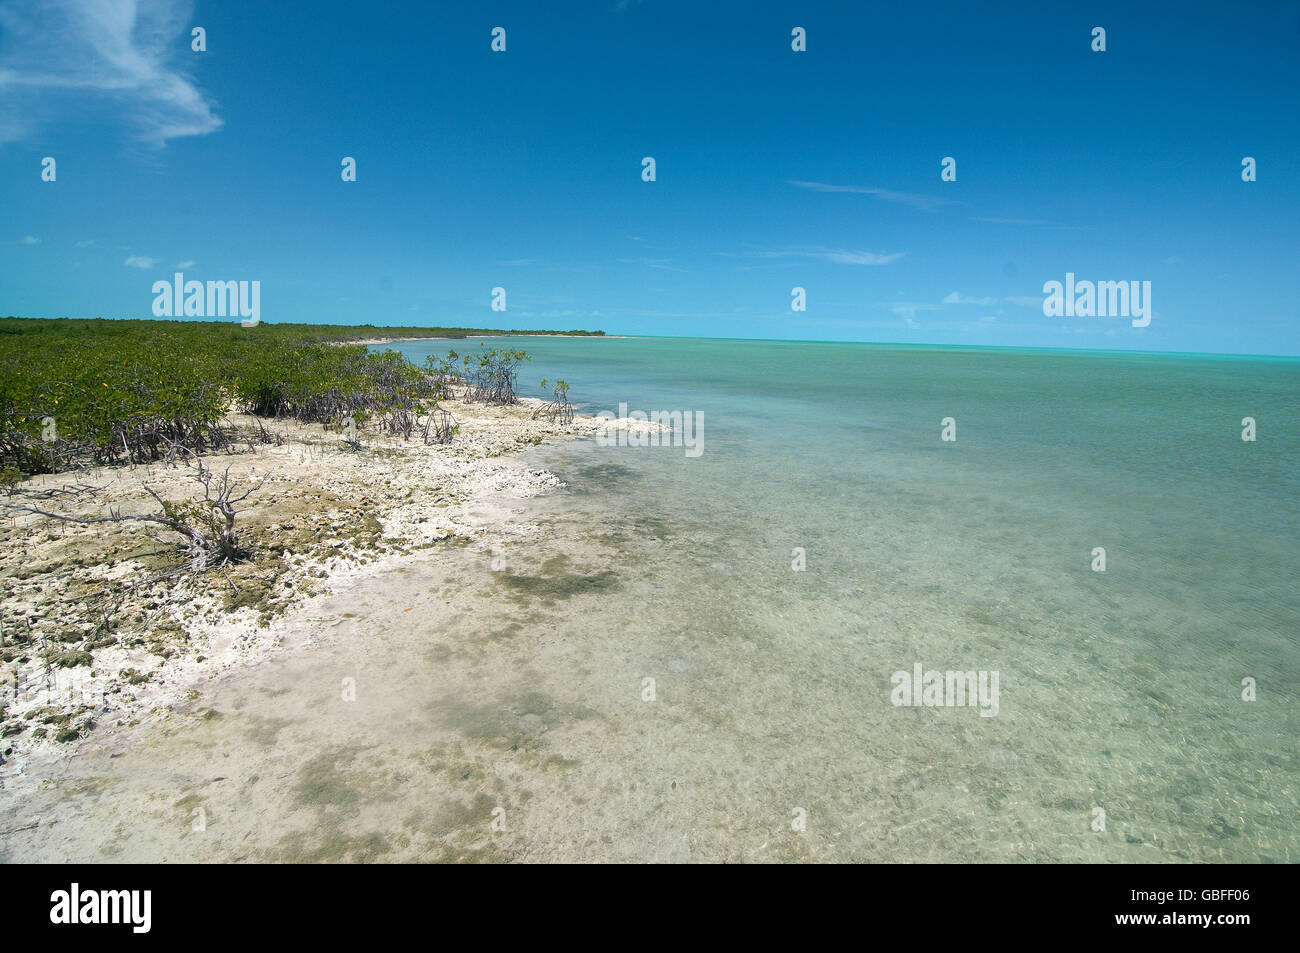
[
  {"x": 479, "y": 730},
  {"x": 496, "y": 618},
  {"x": 501, "y": 713}
]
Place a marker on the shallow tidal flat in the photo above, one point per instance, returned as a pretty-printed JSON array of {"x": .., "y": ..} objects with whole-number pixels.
[
  {"x": 320, "y": 514},
  {"x": 488, "y": 701}
]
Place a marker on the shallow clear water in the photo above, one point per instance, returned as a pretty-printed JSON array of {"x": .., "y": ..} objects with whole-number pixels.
[
  {"x": 514, "y": 681},
  {"x": 1119, "y": 690}
]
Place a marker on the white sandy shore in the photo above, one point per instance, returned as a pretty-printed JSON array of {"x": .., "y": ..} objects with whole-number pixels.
[
  {"x": 322, "y": 515},
  {"x": 370, "y": 342}
]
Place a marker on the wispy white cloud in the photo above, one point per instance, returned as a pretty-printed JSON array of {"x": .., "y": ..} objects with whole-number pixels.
[
  {"x": 907, "y": 310},
  {"x": 140, "y": 261},
  {"x": 926, "y": 203},
  {"x": 839, "y": 256},
  {"x": 186, "y": 264},
  {"x": 958, "y": 298},
  {"x": 29, "y": 240},
  {"x": 1037, "y": 222},
  {"x": 664, "y": 264},
  {"x": 561, "y": 313},
  {"x": 125, "y": 53}
]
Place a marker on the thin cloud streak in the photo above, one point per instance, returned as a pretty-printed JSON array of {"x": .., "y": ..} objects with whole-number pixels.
[
  {"x": 1032, "y": 222},
  {"x": 664, "y": 264},
  {"x": 958, "y": 298},
  {"x": 57, "y": 52},
  {"x": 926, "y": 203},
  {"x": 838, "y": 256}
]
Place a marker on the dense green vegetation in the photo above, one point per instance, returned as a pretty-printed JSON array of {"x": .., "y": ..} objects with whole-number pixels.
[
  {"x": 74, "y": 394},
  {"x": 96, "y": 391},
  {"x": 302, "y": 333}
]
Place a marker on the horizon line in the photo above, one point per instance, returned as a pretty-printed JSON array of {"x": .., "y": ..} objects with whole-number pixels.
[{"x": 596, "y": 333}]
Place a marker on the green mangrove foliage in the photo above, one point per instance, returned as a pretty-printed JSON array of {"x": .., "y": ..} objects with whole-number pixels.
[
  {"x": 490, "y": 375},
  {"x": 557, "y": 410},
  {"x": 74, "y": 392}
]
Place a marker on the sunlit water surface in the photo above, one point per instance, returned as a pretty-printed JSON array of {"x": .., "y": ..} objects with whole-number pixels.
[{"x": 520, "y": 695}]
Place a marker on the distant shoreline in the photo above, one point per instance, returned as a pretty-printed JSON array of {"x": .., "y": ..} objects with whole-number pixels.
[{"x": 485, "y": 337}]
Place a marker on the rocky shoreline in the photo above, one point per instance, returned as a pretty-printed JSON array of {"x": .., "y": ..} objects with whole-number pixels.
[{"x": 104, "y": 625}]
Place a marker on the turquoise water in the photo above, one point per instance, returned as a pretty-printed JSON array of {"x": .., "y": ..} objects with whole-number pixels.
[
  {"x": 628, "y": 668},
  {"x": 1119, "y": 690}
]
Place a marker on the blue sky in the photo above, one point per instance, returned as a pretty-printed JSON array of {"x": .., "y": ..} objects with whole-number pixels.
[{"x": 522, "y": 169}]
